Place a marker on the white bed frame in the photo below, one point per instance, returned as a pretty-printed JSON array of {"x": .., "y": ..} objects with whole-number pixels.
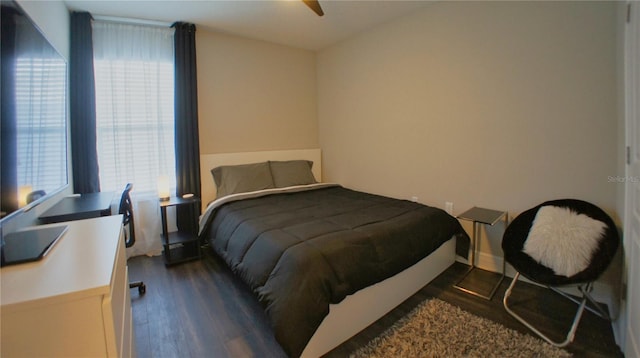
[{"x": 358, "y": 311}]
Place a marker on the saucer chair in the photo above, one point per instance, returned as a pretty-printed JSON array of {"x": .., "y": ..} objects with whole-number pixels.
[{"x": 559, "y": 243}]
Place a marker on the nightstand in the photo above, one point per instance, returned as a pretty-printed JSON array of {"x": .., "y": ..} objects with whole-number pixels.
[
  {"x": 486, "y": 217},
  {"x": 182, "y": 245}
]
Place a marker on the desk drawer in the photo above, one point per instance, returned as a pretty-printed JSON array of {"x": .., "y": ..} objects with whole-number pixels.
[{"x": 117, "y": 306}]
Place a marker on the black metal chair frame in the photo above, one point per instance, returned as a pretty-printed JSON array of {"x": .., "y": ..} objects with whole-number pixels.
[
  {"x": 513, "y": 241},
  {"x": 126, "y": 210}
]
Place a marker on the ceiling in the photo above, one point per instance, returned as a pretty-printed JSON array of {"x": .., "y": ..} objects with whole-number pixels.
[{"x": 287, "y": 22}]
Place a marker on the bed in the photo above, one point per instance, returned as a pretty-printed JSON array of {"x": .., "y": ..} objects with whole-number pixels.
[{"x": 324, "y": 261}]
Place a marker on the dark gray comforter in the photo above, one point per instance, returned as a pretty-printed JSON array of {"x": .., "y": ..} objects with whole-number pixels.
[{"x": 301, "y": 251}]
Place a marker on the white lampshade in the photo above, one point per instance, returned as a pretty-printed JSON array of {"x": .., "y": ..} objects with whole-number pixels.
[{"x": 164, "y": 192}]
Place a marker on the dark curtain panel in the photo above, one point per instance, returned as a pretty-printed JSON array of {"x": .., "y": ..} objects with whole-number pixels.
[
  {"x": 84, "y": 154},
  {"x": 186, "y": 119},
  {"x": 8, "y": 142}
]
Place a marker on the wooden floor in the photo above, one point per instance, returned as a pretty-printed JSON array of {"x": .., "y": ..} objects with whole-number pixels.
[{"x": 198, "y": 309}]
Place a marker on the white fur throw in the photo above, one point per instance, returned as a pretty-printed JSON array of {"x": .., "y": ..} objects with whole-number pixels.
[{"x": 563, "y": 240}]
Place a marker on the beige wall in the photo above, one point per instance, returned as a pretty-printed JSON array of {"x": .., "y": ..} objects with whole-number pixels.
[
  {"x": 253, "y": 95},
  {"x": 502, "y": 105},
  {"x": 52, "y": 17}
]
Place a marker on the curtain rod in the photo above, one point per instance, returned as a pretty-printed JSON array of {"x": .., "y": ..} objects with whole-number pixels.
[{"x": 126, "y": 20}]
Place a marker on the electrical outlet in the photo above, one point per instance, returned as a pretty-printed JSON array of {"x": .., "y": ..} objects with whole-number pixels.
[
  {"x": 448, "y": 207},
  {"x": 414, "y": 199}
]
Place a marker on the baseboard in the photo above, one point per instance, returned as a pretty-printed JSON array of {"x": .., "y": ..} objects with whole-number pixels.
[{"x": 486, "y": 262}]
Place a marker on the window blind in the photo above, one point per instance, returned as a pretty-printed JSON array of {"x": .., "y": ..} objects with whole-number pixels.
[{"x": 134, "y": 77}]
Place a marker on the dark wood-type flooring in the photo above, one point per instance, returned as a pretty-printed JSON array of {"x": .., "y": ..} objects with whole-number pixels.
[{"x": 198, "y": 309}]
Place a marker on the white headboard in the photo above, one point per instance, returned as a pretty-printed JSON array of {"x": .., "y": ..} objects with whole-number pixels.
[{"x": 210, "y": 161}]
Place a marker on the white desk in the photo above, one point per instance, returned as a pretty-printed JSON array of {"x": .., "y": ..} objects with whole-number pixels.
[{"x": 75, "y": 302}]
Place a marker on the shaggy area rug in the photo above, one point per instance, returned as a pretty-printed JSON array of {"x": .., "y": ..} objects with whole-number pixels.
[{"x": 438, "y": 329}]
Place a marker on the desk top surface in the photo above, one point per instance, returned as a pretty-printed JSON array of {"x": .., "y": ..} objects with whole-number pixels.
[{"x": 78, "y": 207}]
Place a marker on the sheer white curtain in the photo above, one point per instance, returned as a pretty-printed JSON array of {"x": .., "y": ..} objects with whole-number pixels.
[{"x": 134, "y": 73}]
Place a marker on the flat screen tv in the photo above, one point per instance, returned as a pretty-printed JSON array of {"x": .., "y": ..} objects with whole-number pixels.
[{"x": 33, "y": 90}]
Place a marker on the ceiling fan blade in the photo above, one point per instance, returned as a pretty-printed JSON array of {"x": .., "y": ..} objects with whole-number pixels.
[{"x": 315, "y": 6}]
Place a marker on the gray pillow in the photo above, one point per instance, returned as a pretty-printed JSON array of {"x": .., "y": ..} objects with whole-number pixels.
[
  {"x": 291, "y": 172},
  {"x": 232, "y": 179}
]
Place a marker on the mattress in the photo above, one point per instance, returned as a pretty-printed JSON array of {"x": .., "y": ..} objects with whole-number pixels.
[{"x": 302, "y": 248}]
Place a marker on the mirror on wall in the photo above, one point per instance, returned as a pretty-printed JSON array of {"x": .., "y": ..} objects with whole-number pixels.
[{"x": 33, "y": 118}]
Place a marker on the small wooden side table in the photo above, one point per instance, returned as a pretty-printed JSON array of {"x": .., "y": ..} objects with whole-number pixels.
[{"x": 486, "y": 217}]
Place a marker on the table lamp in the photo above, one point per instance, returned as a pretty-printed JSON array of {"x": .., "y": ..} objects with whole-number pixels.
[
  {"x": 164, "y": 192},
  {"x": 23, "y": 192}
]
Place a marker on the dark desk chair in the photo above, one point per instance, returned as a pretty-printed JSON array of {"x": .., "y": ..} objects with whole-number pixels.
[
  {"x": 570, "y": 229},
  {"x": 129, "y": 233}
]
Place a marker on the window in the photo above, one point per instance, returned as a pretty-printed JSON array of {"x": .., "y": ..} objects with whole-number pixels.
[{"x": 134, "y": 76}]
